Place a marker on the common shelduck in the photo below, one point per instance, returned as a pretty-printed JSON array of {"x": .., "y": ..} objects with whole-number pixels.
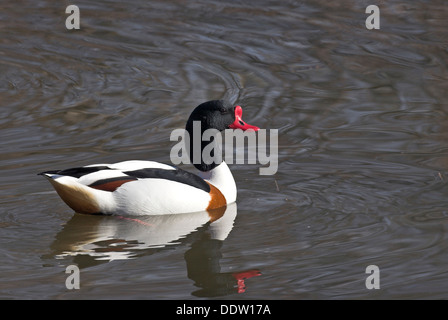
[{"x": 139, "y": 187}]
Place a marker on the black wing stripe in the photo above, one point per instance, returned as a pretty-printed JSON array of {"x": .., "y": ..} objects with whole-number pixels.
[
  {"x": 177, "y": 175},
  {"x": 78, "y": 172}
]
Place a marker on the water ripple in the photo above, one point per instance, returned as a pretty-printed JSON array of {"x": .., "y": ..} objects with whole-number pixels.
[{"x": 362, "y": 119}]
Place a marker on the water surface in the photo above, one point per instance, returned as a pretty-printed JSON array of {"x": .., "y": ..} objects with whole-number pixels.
[{"x": 363, "y": 158}]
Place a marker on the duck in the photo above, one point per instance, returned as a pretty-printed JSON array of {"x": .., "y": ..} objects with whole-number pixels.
[{"x": 143, "y": 187}]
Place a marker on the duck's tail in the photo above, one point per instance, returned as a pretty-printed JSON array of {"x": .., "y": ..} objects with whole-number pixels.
[{"x": 77, "y": 196}]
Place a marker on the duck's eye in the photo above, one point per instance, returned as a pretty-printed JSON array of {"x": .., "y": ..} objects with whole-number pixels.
[{"x": 223, "y": 110}]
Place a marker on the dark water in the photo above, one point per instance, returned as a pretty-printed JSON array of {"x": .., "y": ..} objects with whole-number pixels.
[{"x": 363, "y": 155}]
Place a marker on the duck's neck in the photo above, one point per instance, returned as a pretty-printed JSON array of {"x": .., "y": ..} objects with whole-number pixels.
[
  {"x": 195, "y": 147},
  {"x": 221, "y": 177},
  {"x": 216, "y": 172}
]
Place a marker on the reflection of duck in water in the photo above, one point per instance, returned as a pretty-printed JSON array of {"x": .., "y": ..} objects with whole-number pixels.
[
  {"x": 204, "y": 269},
  {"x": 152, "y": 188},
  {"x": 106, "y": 238},
  {"x": 95, "y": 239}
]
